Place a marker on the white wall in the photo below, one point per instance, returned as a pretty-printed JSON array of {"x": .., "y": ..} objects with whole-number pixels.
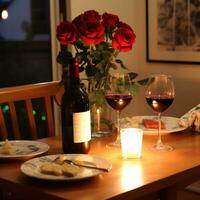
[{"x": 186, "y": 77}]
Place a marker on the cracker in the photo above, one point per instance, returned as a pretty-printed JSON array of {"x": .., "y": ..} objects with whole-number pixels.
[
  {"x": 70, "y": 170},
  {"x": 51, "y": 168}
]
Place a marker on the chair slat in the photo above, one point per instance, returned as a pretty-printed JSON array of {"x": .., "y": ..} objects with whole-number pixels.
[
  {"x": 47, "y": 91},
  {"x": 31, "y": 119},
  {"x": 3, "y": 129},
  {"x": 14, "y": 121},
  {"x": 30, "y": 91},
  {"x": 49, "y": 112}
]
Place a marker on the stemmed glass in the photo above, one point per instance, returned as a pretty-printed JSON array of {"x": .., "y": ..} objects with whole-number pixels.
[
  {"x": 159, "y": 95},
  {"x": 118, "y": 96}
]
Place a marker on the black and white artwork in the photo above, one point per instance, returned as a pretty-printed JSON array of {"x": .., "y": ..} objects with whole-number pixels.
[{"x": 173, "y": 28}]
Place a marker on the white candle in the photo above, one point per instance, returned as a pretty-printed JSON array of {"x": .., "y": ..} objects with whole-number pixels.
[
  {"x": 98, "y": 119},
  {"x": 131, "y": 142}
]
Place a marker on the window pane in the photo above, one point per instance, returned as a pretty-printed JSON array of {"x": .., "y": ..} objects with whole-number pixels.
[
  {"x": 25, "y": 48},
  {"x": 25, "y": 54}
]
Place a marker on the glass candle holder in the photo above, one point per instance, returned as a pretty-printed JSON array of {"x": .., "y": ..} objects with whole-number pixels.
[{"x": 131, "y": 142}]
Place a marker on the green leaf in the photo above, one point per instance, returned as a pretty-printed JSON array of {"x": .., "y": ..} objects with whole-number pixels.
[
  {"x": 118, "y": 61},
  {"x": 132, "y": 75},
  {"x": 113, "y": 66},
  {"x": 99, "y": 65},
  {"x": 64, "y": 57},
  {"x": 82, "y": 46},
  {"x": 143, "y": 82},
  {"x": 90, "y": 70},
  {"x": 123, "y": 66}
]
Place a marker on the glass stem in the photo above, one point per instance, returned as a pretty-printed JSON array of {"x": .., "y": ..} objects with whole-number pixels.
[
  {"x": 159, "y": 141},
  {"x": 118, "y": 126}
]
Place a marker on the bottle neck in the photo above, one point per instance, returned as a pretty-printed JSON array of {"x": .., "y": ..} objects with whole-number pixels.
[
  {"x": 74, "y": 70},
  {"x": 72, "y": 76}
]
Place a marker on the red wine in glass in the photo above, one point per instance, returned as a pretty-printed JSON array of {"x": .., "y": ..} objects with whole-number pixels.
[
  {"x": 159, "y": 94},
  {"x": 118, "y": 101},
  {"x": 118, "y": 96},
  {"x": 159, "y": 103}
]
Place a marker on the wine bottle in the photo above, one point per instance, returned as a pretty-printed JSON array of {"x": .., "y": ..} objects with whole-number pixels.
[{"x": 75, "y": 113}]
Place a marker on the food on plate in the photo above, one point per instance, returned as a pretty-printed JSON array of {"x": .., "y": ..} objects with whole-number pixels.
[
  {"x": 60, "y": 160},
  {"x": 66, "y": 169},
  {"x": 51, "y": 168},
  {"x": 70, "y": 170},
  {"x": 7, "y": 148},
  {"x": 64, "y": 159},
  {"x": 152, "y": 124}
]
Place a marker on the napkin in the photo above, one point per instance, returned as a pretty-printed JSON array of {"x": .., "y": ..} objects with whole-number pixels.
[{"x": 191, "y": 119}]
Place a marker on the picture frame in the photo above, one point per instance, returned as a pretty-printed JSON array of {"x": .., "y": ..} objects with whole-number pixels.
[{"x": 173, "y": 31}]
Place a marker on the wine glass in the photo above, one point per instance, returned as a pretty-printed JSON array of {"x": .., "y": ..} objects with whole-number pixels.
[
  {"x": 118, "y": 96},
  {"x": 159, "y": 95}
]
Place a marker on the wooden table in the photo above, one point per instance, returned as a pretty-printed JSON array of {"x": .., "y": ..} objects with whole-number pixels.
[{"x": 155, "y": 174}]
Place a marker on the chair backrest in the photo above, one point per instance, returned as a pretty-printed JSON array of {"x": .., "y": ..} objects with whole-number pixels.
[{"x": 26, "y": 96}]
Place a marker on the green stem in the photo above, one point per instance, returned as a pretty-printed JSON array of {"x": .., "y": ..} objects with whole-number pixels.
[
  {"x": 76, "y": 48},
  {"x": 116, "y": 53}
]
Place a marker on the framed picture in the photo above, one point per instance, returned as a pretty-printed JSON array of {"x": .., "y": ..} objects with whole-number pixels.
[{"x": 173, "y": 31}]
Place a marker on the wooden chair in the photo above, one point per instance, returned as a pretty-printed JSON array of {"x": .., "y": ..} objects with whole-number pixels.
[{"x": 26, "y": 95}]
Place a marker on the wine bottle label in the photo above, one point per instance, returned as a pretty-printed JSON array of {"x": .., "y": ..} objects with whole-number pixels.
[{"x": 82, "y": 126}]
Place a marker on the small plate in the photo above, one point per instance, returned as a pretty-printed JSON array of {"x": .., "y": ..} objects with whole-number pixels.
[
  {"x": 171, "y": 124},
  {"x": 25, "y": 149},
  {"x": 31, "y": 167}
]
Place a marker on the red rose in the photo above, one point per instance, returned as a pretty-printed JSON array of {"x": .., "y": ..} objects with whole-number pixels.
[
  {"x": 109, "y": 20},
  {"x": 123, "y": 39},
  {"x": 78, "y": 20},
  {"x": 86, "y": 16},
  {"x": 91, "y": 31},
  {"x": 124, "y": 25},
  {"x": 91, "y": 14},
  {"x": 66, "y": 33}
]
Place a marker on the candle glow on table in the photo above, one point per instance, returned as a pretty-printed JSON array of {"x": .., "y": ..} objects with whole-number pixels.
[{"x": 131, "y": 142}]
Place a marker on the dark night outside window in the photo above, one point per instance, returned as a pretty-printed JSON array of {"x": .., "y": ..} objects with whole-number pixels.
[{"x": 25, "y": 48}]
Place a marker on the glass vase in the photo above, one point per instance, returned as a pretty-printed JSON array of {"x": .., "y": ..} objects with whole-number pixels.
[{"x": 99, "y": 124}]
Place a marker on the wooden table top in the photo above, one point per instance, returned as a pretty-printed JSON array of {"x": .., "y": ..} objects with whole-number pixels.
[{"x": 153, "y": 172}]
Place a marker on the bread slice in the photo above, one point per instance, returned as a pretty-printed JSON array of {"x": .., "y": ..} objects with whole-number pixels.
[
  {"x": 7, "y": 148},
  {"x": 66, "y": 169},
  {"x": 70, "y": 169},
  {"x": 51, "y": 168}
]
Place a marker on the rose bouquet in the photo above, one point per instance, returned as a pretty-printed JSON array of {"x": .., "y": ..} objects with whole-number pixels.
[{"x": 97, "y": 41}]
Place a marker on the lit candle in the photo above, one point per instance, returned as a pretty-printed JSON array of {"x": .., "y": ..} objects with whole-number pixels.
[
  {"x": 131, "y": 142},
  {"x": 98, "y": 119}
]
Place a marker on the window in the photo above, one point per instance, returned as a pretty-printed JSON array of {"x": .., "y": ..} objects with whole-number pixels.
[
  {"x": 25, "y": 50},
  {"x": 25, "y": 47}
]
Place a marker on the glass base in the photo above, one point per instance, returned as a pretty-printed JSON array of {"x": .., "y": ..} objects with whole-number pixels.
[
  {"x": 116, "y": 144},
  {"x": 162, "y": 147},
  {"x": 99, "y": 134}
]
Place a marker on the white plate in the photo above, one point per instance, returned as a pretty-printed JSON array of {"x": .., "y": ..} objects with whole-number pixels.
[
  {"x": 25, "y": 149},
  {"x": 171, "y": 124},
  {"x": 32, "y": 167}
]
